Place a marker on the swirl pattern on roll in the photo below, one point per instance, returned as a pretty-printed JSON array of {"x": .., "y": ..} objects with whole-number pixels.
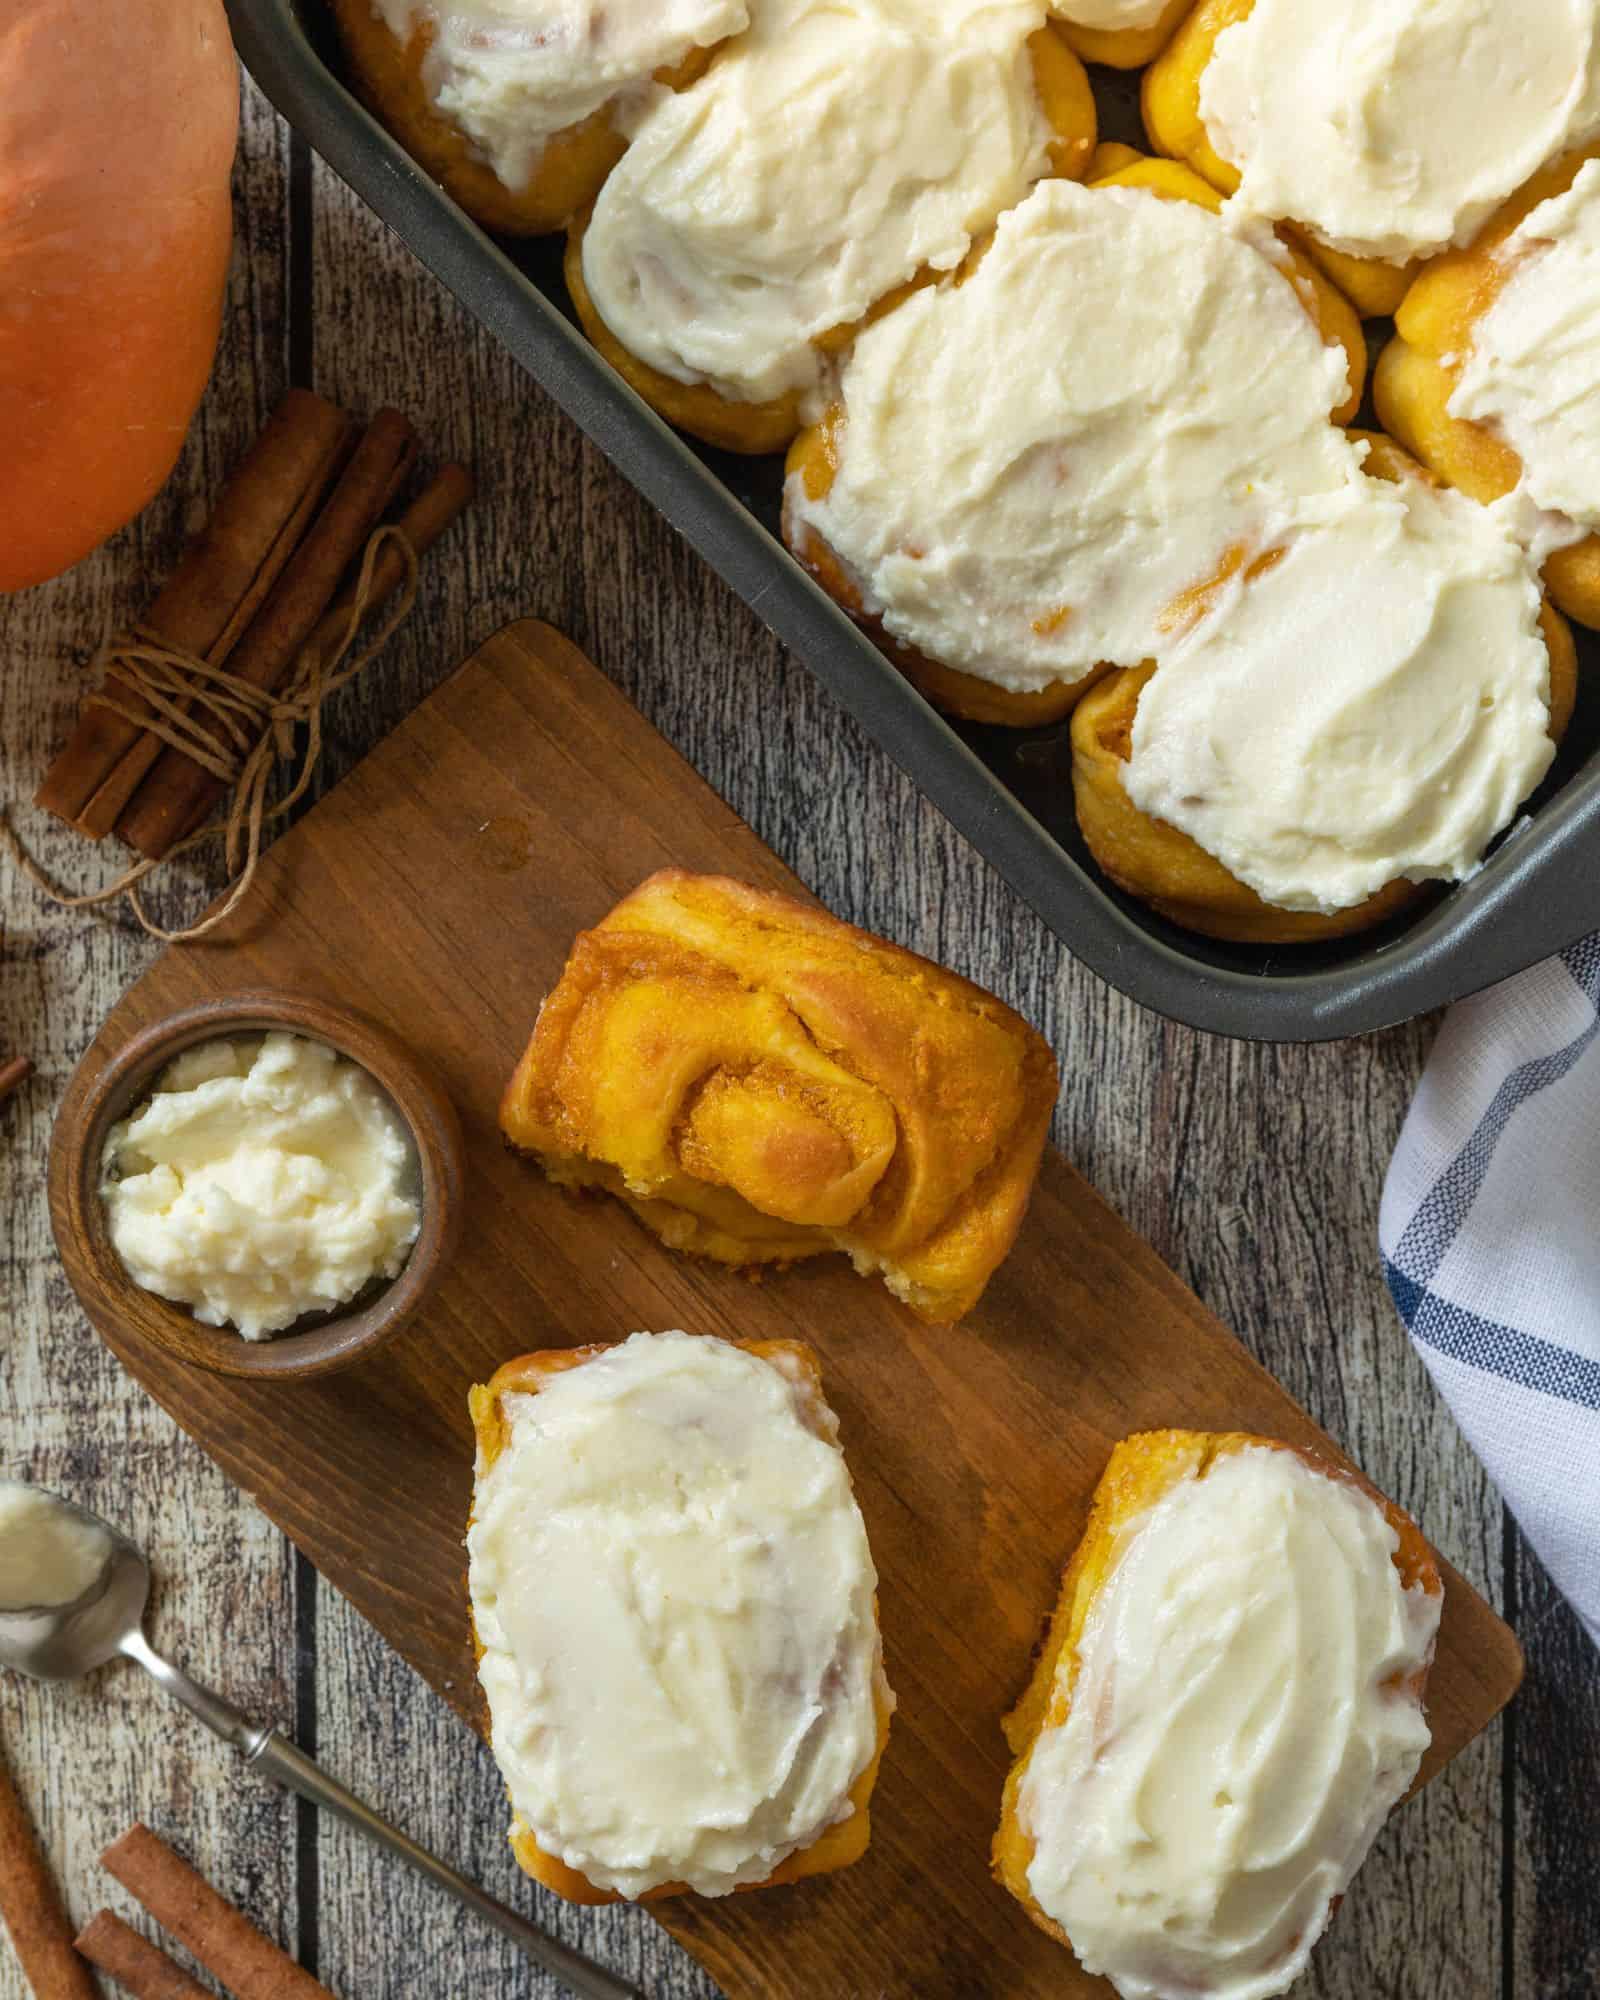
[{"x": 761, "y": 1082}]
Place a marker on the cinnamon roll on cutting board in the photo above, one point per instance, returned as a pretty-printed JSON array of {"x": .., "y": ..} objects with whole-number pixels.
[
  {"x": 675, "y": 1617},
  {"x": 760, "y": 1082}
]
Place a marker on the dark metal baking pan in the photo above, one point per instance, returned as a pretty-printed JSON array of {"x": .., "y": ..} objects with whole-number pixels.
[{"x": 1008, "y": 791}]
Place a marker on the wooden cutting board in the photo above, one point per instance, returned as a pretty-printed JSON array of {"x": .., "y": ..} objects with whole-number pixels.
[{"x": 437, "y": 889}]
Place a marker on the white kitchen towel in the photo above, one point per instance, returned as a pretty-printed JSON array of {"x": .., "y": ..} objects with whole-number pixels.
[{"x": 1490, "y": 1231}]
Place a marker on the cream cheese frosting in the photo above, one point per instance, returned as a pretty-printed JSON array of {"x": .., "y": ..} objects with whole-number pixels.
[
  {"x": 1373, "y": 705},
  {"x": 513, "y": 73},
  {"x": 1393, "y": 128},
  {"x": 1239, "y": 1730},
  {"x": 266, "y": 1177},
  {"x": 671, "y": 1583},
  {"x": 1035, "y": 463},
  {"x": 827, "y": 156},
  {"x": 1533, "y": 374}
]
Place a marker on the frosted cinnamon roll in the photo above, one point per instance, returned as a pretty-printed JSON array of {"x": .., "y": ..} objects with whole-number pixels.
[
  {"x": 1026, "y": 466},
  {"x": 761, "y": 1083},
  {"x": 1228, "y": 1705},
  {"x": 675, "y": 1614},
  {"x": 1386, "y": 130},
  {"x": 522, "y": 107},
  {"x": 830, "y": 155},
  {"x": 1355, "y": 711},
  {"x": 1493, "y": 380}
]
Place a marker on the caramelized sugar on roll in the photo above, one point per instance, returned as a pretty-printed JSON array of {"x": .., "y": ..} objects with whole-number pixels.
[{"x": 761, "y": 1083}]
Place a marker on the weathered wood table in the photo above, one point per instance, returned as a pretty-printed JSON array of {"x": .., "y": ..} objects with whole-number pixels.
[{"x": 1255, "y": 1171}]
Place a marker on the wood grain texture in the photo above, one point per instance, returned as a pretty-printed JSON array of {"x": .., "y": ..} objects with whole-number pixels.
[
  {"x": 1255, "y": 1172},
  {"x": 1555, "y": 1796},
  {"x": 439, "y": 888}
]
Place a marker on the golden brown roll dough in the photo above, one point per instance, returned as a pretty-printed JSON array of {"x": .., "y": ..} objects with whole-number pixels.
[
  {"x": 1165, "y": 868},
  {"x": 1172, "y": 118},
  {"x": 1126, "y": 48},
  {"x": 814, "y": 460},
  {"x": 761, "y": 1083},
  {"x": 1067, "y": 100},
  {"x": 1141, "y": 1472},
  {"x": 388, "y": 75},
  {"x": 1162, "y": 865},
  {"x": 1418, "y": 371},
  {"x": 840, "y": 1844}
]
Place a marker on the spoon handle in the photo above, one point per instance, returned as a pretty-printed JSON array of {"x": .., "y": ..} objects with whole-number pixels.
[
  {"x": 279, "y": 1759},
  {"x": 219, "y": 1716}
]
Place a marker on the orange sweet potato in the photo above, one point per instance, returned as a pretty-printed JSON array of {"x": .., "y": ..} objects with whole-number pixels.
[{"x": 117, "y": 132}]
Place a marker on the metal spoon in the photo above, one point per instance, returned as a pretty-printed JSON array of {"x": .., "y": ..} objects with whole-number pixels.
[{"x": 60, "y": 1642}]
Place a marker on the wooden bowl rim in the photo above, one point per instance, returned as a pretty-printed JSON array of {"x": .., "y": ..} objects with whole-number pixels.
[{"x": 101, "y": 1093}]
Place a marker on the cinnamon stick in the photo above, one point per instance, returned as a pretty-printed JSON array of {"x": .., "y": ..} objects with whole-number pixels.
[
  {"x": 447, "y": 495},
  {"x": 178, "y": 794},
  {"x": 133, "y": 1962},
  {"x": 31, "y": 1906},
  {"x": 105, "y": 806},
  {"x": 206, "y": 1924},
  {"x": 13, "y": 1074},
  {"x": 220, "y": 582}
]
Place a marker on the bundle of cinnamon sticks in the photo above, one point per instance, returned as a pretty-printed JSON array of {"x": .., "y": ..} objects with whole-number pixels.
[
  {"x": 270, "y": 575},
  {"x": 245, "y": 1962}
]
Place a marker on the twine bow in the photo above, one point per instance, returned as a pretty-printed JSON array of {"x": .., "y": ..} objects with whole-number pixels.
[{"x": 235, "y": 731}]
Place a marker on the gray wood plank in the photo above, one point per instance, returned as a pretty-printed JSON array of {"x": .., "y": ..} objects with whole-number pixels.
[{"x": 1555, "y": 1798}]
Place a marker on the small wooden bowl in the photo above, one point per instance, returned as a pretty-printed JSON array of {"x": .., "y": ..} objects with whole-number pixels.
[{"x": 98, "y": 1097}]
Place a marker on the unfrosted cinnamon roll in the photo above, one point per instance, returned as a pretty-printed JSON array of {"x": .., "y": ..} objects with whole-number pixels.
[{"x": 762, "y": 1083}]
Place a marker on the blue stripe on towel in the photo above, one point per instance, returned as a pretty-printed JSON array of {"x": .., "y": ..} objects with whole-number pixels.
[
  {"x": 1499, "y": 1350},
  {"x": 1528, "y": 1400},
  {"x": 1433, "y": 1228}
]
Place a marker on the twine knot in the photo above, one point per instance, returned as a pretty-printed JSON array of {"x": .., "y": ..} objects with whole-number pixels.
[{"x": 234, "y": 730}]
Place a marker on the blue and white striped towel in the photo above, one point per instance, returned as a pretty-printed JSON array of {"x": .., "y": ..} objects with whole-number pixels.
[{"x": 1490, "y": 1231}]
